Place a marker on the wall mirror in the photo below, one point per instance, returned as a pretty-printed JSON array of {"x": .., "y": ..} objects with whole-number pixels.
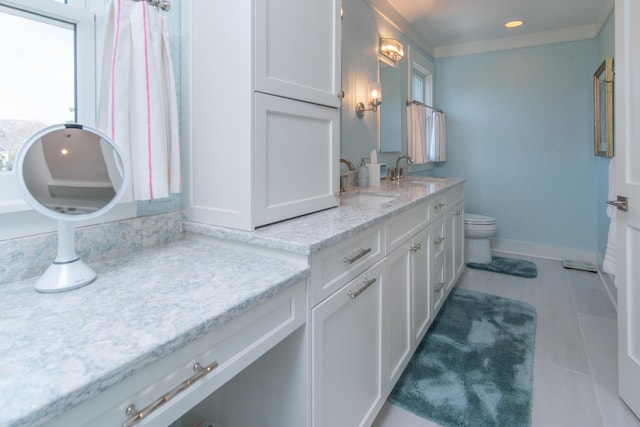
[
  {"x": 391, "y": 109},
  {"x": 71, "y": 173},
  {"x": 603, "y": 109}
]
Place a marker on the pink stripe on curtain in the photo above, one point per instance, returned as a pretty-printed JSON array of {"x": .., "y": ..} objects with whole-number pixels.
[{"x": 138, "y": 102}]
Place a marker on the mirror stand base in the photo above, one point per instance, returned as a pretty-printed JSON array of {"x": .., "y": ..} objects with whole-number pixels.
[{"x": 60, "y": 277}]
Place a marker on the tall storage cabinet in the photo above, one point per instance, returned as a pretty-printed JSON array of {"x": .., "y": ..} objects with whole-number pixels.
[{"x": 261, "y": 109}]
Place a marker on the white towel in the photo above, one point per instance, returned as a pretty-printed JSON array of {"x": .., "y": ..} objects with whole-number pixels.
[
  {"x": 610, "y": 262},
  {"x": 416, "y": 132},
  {"x": 138, "y": 106},
  {"x": 437, "y": 143}
]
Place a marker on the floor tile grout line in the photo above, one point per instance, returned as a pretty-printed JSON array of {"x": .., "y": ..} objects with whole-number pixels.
[{"x": 584, "y": 343}]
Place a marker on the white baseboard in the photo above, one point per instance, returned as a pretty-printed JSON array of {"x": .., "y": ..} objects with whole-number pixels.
[{"x": 539, "y": 250}]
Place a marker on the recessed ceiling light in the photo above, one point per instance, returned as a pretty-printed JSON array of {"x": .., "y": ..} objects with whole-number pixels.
[{"x": 514, "y": 24}]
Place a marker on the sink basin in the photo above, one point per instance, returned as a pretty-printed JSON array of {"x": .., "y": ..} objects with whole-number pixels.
[{"x": 368, "y": 200}]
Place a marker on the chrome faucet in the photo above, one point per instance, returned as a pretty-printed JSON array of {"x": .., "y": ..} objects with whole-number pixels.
[
  {"x": 398, "y": 176},
  {"x": 348, "y": 163}
]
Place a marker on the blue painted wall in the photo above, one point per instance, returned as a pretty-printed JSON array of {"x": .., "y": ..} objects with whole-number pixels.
[
  {"x": 606, "y": 48},
  {"x": 519, "y": 128}
]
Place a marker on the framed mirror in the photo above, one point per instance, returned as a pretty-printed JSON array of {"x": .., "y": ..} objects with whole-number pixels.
[
  {"x": 390, "y": 132},
  {"x": 603, "y": 109},
  {"x": 71, "y": 173}
]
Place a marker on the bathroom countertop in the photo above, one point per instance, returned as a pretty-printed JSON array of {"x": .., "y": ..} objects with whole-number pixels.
[
  {"x": 360, "y": 208},
  {"x": 57, "y": 350}
]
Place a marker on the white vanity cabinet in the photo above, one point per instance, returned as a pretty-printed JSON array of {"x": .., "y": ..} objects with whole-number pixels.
[
  {"x": 347, "y": 346},
  {"x": 260, "y": 109},
  {"x": 437, "y": 246},
  {"x": 170, "y": 387},
  {"x": 454, "y": 247}
]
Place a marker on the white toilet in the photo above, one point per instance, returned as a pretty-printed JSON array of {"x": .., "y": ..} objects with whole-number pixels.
[{"x": 478, "y": 229}]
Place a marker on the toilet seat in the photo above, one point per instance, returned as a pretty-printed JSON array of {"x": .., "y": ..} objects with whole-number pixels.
[{"x": 473, "y": 219}]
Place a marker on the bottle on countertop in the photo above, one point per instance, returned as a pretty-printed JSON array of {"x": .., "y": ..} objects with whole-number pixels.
[{"x": 363, "y": 174}]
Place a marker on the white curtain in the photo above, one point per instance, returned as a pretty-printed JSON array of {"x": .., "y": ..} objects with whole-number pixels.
[
  {"x": 138, "y": 106},
  {"x": 437, "y": 138},
  {"x": 417, "y": 132}
]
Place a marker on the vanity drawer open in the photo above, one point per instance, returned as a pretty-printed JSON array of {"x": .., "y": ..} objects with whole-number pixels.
[
  {"x": 331, "y": 268},
  {"x": 226, "y": 350}
]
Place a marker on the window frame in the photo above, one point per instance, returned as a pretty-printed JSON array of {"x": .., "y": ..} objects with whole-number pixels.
[{"x": 17, "y": 217}]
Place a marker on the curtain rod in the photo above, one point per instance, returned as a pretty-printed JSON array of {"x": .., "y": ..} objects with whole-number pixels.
[
  {"x": 424, "y": 105},
  {"x": 162, "y": 4}
]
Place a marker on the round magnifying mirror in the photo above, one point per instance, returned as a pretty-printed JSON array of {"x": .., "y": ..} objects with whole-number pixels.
[{"x": 71, "y": 173}]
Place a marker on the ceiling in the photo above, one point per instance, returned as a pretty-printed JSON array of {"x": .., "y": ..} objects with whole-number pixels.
[{"x": 459, "y": 22}]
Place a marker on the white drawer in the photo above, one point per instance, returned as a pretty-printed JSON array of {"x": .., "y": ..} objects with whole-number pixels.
[
  {"x": 404, "y": 226},
  {"x": 437, "y": 206},
  {"x": 453, "y": 196},
  {"x": 331, "y": 268},
  {"x": 233, "y": 346},
  {"x": 438, "y": 236}
]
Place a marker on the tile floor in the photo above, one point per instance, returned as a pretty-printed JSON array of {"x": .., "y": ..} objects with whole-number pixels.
[{"x": 575, "y": 363}]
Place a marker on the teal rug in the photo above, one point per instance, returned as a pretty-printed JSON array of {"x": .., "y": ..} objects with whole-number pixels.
[
  {"x": 474, "y": 366},
  {"x": 514, "y": 267}
]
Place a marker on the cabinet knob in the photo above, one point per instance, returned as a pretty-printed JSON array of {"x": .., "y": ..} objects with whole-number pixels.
[{"x": 414, "y": 248}]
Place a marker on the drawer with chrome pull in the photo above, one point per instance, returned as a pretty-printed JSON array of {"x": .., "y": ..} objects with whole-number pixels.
[
  {"x": 331, "y": 268},
  {"x": 162, "y": 392}
]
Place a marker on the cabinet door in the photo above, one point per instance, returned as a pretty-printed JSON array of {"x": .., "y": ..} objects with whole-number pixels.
[
  {"x": 421, "y": 301},
  {"x": 397, "y": 314},
  {"x": 297, "y": 158},
  {"x": 298, "y": 49},
  {"x": 454, "y": 245},
  {"x": 437, "y": 272},
  {"x": 346, "y": 339}
]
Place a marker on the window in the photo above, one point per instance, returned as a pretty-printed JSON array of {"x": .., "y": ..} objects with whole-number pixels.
[
  {"x": 421, "y": 79},
  {"x": 48, "y": 54}
]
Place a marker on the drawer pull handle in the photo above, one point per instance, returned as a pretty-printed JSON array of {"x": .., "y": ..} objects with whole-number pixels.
[
  {"x": 414, "y": 248},
  {"x": 457, "y": 213},
  {"x": 439, "y": 240},
  {"x": 439, "y": 206},
  {"x": 439, "y": 286},
  {"x": 361, "y": 252},
  {"x": 367, "y": 283},
  {"x": 136, "y": 416}
]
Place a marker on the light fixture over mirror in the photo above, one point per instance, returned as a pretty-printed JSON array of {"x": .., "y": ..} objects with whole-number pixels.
[
  {"x": 375, "y": 99},
  {"x": 392, "y": 49},
  {"x": 71, "y": 173}
]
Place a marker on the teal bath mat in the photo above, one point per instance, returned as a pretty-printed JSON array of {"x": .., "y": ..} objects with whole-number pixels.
[
  {"x": 514, "y": 267},
  {"x": 474, "y": 366}
]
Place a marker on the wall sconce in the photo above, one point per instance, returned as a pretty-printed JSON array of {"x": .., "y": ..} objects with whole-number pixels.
[
  {"x": 375, "y": 99},
  {"x": 392, "y": 49}
]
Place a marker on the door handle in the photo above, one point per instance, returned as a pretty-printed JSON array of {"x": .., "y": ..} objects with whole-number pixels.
[{"x": 622, "y": 203}]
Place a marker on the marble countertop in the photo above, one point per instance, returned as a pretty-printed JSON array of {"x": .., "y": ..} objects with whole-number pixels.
[
  {"x": 57, "y": 350},
  {"x": 360, "y": 208}
]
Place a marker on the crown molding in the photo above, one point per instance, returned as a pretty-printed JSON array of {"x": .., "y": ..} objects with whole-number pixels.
[{"x": 550, "y": 37}]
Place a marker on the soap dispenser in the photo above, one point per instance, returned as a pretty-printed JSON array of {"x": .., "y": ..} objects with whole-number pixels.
[{"x": 363, "y": 174}]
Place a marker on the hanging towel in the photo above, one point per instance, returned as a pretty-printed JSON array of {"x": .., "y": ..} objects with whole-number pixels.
[
  {"x": 138, "y": 106},
  {"x": 417, "y": 131},
  {"x": 610, "y": 262},
  {"x": 437, "y": 142}
]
